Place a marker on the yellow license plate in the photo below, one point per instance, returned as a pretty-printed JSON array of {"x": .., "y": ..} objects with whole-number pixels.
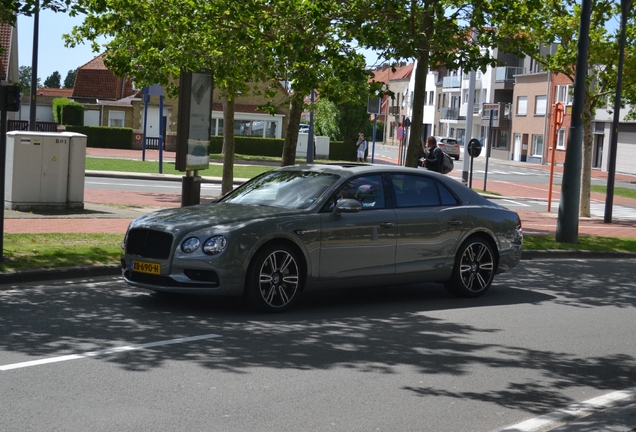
[{"x": 146, "y": 267}]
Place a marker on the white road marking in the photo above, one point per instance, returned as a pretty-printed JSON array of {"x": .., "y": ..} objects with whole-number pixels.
[
  {"x": 175, "y": 186},
  {"x": 106, "y": 352},
  {"x": 574, "y": 411},
  {"x": 516, "y": 203}
]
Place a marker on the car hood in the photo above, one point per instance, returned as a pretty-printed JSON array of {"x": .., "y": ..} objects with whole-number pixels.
[{"x": 197, "y": 217}]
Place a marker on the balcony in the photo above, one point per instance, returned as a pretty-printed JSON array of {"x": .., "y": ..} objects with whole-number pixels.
[
  {"x": 507, "y": 73},
  {"x": 449, "y": 113},
  {"x": 453, "y": 82},
  {"x": 394, "y": 110}
]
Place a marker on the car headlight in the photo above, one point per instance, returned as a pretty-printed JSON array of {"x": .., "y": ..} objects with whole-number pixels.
[
  {"x": 215, "y": 245},
  {"x": 190, "y": 245}
]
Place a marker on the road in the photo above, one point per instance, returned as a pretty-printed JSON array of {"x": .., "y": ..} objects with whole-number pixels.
[
  {"x": 98, "y": 355},
  {"x": 499, "y": 171}
]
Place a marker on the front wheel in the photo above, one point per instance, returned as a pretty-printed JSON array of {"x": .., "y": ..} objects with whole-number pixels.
[
  {"x": 273, "y": 279},
  {"x": 474, "y": 268}
]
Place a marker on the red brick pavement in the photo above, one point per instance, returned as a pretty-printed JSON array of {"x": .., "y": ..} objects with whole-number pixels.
[{"x": 532, "y": 221}]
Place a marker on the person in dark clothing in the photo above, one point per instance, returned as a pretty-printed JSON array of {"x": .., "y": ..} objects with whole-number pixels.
[{"x": 434, "y": 156}]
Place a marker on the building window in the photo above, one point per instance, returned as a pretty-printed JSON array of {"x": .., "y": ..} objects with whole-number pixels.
[
  {"x": 502, "y": 140},
  {"x": 522, "y": 105},
  {"x": 537, "y": 145},
  {"x": 270, "y": 132},
  {"x": 431, "y": 97},
  {"x": 116, "y": 118},
  {"x": 561, "y": 139},
  {"x": 540, "y": 105},
  {"x": 564, "y": 94}
]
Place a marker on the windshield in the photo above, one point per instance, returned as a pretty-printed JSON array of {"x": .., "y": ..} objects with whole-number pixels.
[{"x": 286, "y": 189}]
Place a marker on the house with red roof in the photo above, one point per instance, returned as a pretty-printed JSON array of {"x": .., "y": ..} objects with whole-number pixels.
[{"x": 396, "y": 78}]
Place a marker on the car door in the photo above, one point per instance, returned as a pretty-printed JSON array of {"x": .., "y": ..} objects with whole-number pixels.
[
  {"x": 430, "y": 222},
  {"x": 362, "y": 244}
]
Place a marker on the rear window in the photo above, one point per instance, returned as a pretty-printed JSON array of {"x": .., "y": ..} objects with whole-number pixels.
[{"x": 449, "y": 141}]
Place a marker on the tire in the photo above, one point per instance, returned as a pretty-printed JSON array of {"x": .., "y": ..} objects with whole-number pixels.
[
  {"x": 274, "y": 279},
  {"x": 456, "y": 157},
  {"x": 474, "y": 268}
]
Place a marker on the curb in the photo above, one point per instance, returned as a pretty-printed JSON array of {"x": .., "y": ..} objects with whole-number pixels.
[
  {"x": 157, "y": 176},
  {"x": 573, "y": 254},
  {"x": 61, "y": 273}
]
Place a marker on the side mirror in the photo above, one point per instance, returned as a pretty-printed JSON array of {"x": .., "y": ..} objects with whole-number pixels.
[{"x": 347, "y": 205}]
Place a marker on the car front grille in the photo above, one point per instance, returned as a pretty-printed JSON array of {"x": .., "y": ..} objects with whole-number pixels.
[{"x": 149, "y": 243}]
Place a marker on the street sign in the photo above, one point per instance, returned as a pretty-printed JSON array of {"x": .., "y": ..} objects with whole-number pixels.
[
  {"x": 400, "y": 133},
  {"x": 559, "y": 113},
  {"x": 474, "y": 147}
]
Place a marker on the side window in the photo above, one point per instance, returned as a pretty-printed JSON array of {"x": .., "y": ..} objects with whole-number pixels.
[
  {"x": 367, "y": 189},
  {"x": 414, "y": 191},
  {"x": 447, "y": 197}
]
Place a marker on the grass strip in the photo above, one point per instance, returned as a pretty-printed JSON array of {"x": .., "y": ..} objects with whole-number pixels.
[
  {"x": 40, "y": 251},
  {"x": 152, "y": 167},
  {"x": 618, "y": 191},
  {"x": 590, "y": 243}
]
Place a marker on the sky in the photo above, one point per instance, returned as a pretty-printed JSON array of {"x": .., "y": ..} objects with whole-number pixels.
[{"x": 54, "y": 56}]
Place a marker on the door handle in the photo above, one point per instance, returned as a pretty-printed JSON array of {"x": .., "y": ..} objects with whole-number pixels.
[
  {"x": 455, "y": 222},
  {"x": 387, "y": 225}
]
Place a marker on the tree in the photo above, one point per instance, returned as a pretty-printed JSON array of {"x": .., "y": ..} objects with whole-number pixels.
[
  {"x": 444, "y": 33},
  {"x": 9, "y": 9},
  {"x": 25, "y": 73},
  {"x": 241, "y": 42},
  {"x": 327, "y": 119},
  {"x": 558, "y": 23},
  {"x": 69, "y": 81},
  {"x": 53, "y": 80}
]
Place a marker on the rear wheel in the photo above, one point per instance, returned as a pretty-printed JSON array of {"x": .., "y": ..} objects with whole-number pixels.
[
  {"x": 273, "y": 279},
  {"x": 474, "y": 268}
]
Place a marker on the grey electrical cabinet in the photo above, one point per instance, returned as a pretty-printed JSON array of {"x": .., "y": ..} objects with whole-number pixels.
[{"x": 45, "y": 170}]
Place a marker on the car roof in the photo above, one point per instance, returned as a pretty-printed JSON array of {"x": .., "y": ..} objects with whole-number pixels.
[{"x": 347, "y": 170}]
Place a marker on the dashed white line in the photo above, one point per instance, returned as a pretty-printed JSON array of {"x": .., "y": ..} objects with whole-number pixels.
[
  {"x": 549, "y": 421},
  {"x": 108, "y": 351}
]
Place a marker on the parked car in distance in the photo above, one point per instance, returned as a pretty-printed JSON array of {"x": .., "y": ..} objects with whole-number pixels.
[
  {"x": 304, "y": 128},
  {"x": 450, "y": 146},
  {"x": 320, "y": 227}
]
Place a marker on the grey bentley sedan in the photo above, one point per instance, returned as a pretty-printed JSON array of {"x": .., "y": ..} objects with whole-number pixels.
[{"x": 312, "y": 227}]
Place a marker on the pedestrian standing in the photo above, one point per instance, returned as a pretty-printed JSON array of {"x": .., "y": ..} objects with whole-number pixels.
[
  {"x": 434, "y": 156},
  {"x": 361, "y": 146}
]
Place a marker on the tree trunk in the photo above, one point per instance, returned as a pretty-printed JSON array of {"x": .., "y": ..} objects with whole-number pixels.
[
  {"x": 227, "y": 183},
  {"x": 419, "y": 97},
  {"x": 586, "y": 169},
  {"x": 293, "y": 125}
]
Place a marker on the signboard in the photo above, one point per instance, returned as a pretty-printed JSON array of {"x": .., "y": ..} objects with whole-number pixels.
[
  {"x": 373, "y": 105},
  {"x": 195, "y": 114}
]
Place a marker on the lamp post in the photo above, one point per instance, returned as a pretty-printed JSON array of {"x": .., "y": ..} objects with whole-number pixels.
[
  {"x": 34, "y": 68},
  {"x": 611, "y": 169}
]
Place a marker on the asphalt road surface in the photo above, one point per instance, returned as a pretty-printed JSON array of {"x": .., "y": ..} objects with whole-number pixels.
[{"x": 98, "y": 355}]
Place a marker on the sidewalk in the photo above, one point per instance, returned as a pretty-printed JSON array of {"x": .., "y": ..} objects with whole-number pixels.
[{"x": 102, "y": 212}]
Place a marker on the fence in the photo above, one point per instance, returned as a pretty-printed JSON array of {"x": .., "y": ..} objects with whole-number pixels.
[{"x": 23, "y": 125}]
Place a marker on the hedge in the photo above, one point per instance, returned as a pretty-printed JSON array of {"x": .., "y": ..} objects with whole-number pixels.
[
  {"x": 273, "y": 147},
  {"x": 68, "y": 112},
  {"x": 104, "y": 137}
]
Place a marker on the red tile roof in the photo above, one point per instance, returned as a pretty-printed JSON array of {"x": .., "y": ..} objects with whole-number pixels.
[
  {"x": 95, "y": 81},
  {"x": 385, "y": 74},
  {"x": 54, "y": 92}
]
